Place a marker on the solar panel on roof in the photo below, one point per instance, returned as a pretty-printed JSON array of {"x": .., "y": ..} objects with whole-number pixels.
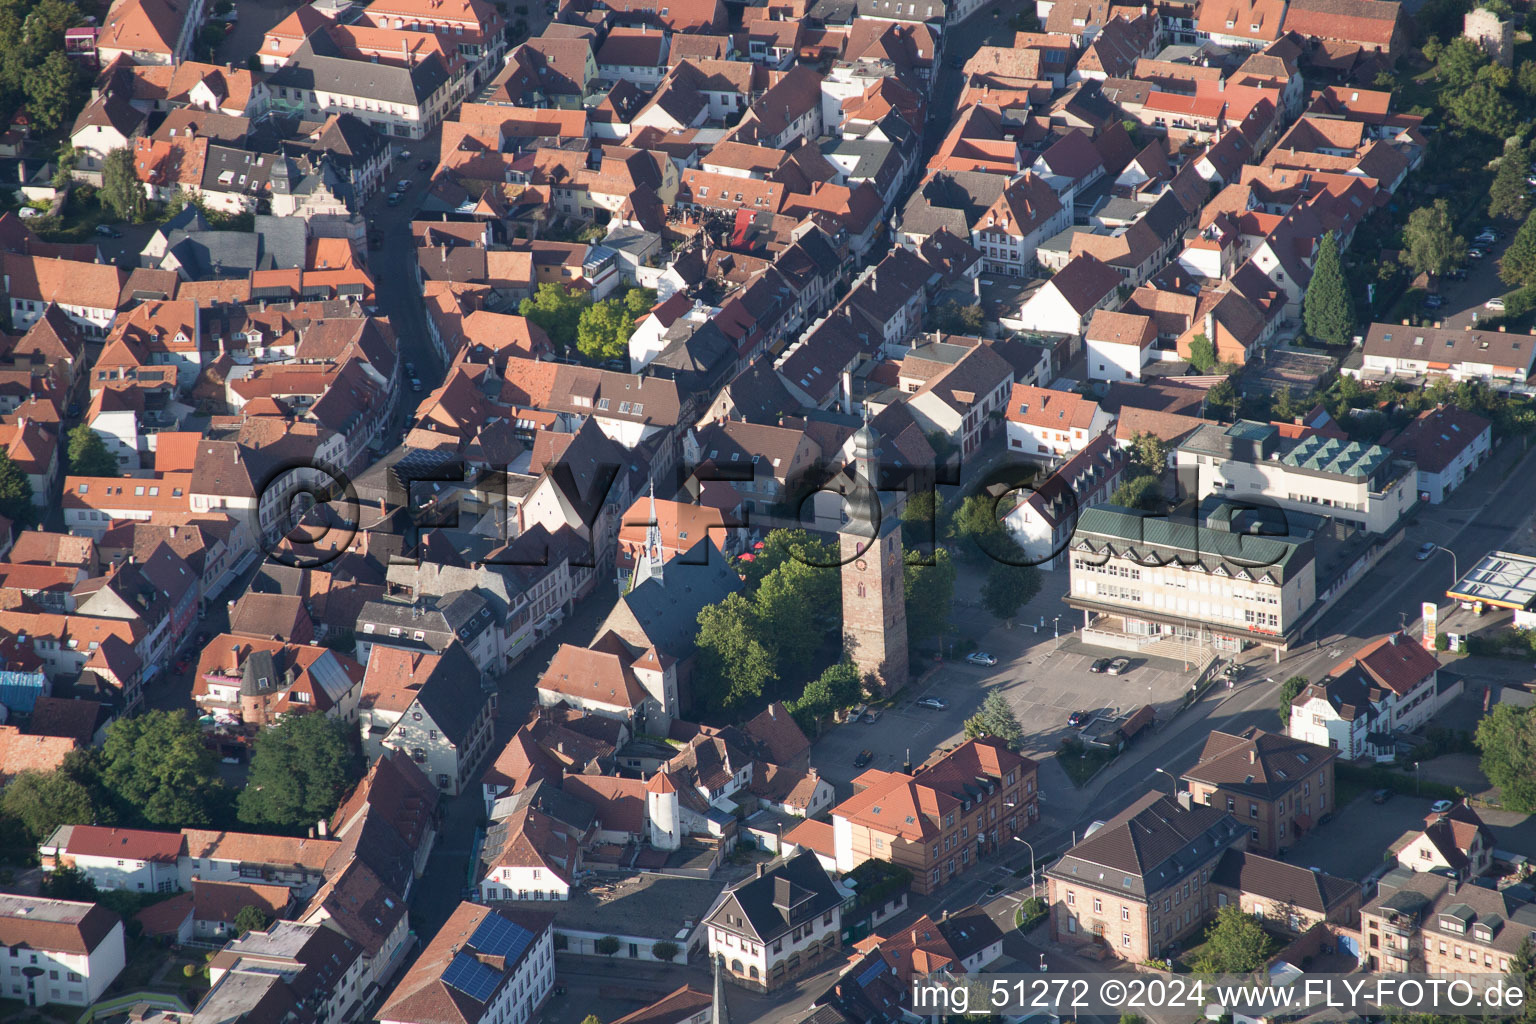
[
  {"x": 871, "y": 973},
  {"x": 497, "y": 936},
  {"x": 472, "y": 977}
]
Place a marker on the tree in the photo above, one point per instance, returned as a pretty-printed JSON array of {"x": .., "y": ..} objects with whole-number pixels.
[
  {"x": 607, "y": 945},
  {"x": 1327, "y": 308},
  {"x": 1202, "y": 354},
  {"x": 1460, "y": 61},
  {"x": 603, "y": 330},
  {"x": 1149, "y": 453},
  {"x": 1283, "y": 404},
  {"x": 924, "y": 521},
  {"x": 158, "y": 773},
  {"x": 591, "y": 1018},
  {"x": 839, "y": 686},
  {"x": 88, "y": 455},
  {"x": 1007, "y": 588},
  {"x": 1235, "y": 944},
  {"x": 42, "y": 801},
  {"x": 1506, "y": 196},
  {"x": 995, "y": 719},
  {"x": 251, "y": 918},
  {"x": 1518, "y": 264},
  {"x": 664, "y": 950},
  {"x": 732, "y": 657},
  {"x": 51, "y": 88},
  {"x": 791, "y": 606},
  {"x": 15, "y": 492},
  {"x": 976, "y": 520},
  {"x": 1525, "y": 78},
  {"x": 953, "y": 318},
  {"x": 1522, "y": 971},
  {"x": 930, "y": 594},
  {"x": 1430, "y": 242},
  {"x": 68, "y": 882},
  {"x": 638, "y": 302},
  {"x": 1507, "y": 740},
  {"x": 782, "y": 546},
  {"x": 301, "y": 767},
  {"x": 1481, "y": 107},
  {"x": 1143, "y": 492},
  {"x": 556, "y": 309},
  {"x": 1221, "y": 400},
  {"x": 120, "y": 189},
  {"x": 1289, "y": 691}
]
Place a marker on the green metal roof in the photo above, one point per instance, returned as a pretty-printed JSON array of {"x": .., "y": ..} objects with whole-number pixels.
[
  {"x": 1252, "y": 430},
  {"x": 1330, "y": 455},
  {"x": 1152, "y": 539}
]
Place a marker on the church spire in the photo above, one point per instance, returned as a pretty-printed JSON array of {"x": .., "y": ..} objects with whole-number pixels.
[{"x": 649, "y": 562}]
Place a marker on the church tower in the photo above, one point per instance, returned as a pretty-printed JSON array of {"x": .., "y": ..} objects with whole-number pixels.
[{"x": 873, "y": 571}]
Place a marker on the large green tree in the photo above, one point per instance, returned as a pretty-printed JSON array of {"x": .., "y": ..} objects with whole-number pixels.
[
  {"x": 1234, "y": 944},
  {"x": 930, "y": 592},
  {"x": 1518, "y": 265},
  {"x": 924, "y": 520},
  {"x": 1460, "y": 61},
  {"x": 15, "y": 493},
  {"x": 1289, "y": 691},
  {"x": 1007, "y": 588},
  {"x": 796, "y": 607},
  {"x": 1202, "y": 354},
  {"x": 558, "y": 310},
  {"x": 158, "y": 773},
  {"x": 1149, "y": 453},
  {"x": 995, "y": 719},
  {"x": 734, "y": 663},
  {"x": 1328, "y": 309},
  {"x": 1507, "y": 194},
  {"x": 796, "y": 545},
  {"x": 120, "y": 189},
  {"x": 42, "y": 801},
  {"x": 301, "y": 767},
  {"x": 1144, "y": 492},
  {"x": 88, "y": 455},
  {"x": 603, "y": 330},
  {"x": 1482, "y": 107},
  {"x": 1430, "y": 242},
  {"x": 1221, "y": 401},
  {"x": 251, "y": 918},
  {"x": 1507, "y": 740},
  {"x": 838, "y": 687},
  {"x": 52, "y": 90}
]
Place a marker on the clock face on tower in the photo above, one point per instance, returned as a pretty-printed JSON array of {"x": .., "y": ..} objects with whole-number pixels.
[{"x": 861, "y": 565}]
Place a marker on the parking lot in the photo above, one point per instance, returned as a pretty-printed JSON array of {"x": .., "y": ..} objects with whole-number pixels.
[
  {"x": 1355, "y": 842},
  {"x": 1044, "y": 685}
]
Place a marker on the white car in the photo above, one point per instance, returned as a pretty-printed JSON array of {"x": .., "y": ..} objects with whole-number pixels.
[
  {"x": 981, "y": 658},
  {"x": 1475, "y": 254},
  {"x": 1425, "y": 550},
  {"x": 1494, "y": 303},
  {"x": 1441, "y": 806}
]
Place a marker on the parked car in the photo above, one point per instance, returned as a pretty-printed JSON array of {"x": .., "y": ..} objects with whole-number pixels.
[
  {"x": 1425, "y": 550},
  {"x": 981, "y": 658},
  {"x": 108, "y": 231},
  {"x": 394, "y": 199},
  {"x": 1077, "y": 718},
  {"x": 29, "y": 212},
  {"x": 933, "y": 703},
  {"x": 1457, "y": 274},
  {"x": 423, "y": 165},
  {"x": 863, "y": 759},
  {"x": 1496, "y": 304},
  {"x": 1381, "y": 796},
  {"x": 415, "y": 384},
  {"x": 993, "y": 890},
  {"x": 1433, "y": 302},
  {"x": 403, "y": 185},
  {"x": 871, "y": 716},
  {"x": 1441, "y": 806},
  {"x": 1099, "y": 665},
  {"x": 1119, "y": 666},
  {"x": 410, "y": 368},
  {"x": 1475, "y": 254}
]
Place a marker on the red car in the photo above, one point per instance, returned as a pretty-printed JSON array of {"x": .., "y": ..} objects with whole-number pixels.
[{"x": 180, "y": 666}]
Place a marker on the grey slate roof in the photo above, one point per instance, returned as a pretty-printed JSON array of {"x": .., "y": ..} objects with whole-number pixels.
[
  {"x": 318, "y": 65},
  {"x": 1149, "y": 846}
]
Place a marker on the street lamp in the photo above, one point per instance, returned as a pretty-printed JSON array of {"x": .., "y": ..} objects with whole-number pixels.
[
  {"x": 1170, "y": 779},
  {"x": 1056, "y": 632},
  {"x": 1032, "y": 885},
  {"x": 1415, "y": 778},
  {"x": 1454, "y": 574}
]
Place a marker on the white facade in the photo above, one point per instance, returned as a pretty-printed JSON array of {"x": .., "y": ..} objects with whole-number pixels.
[
  {"x": 1345, "y": 497},
  {"x": 1048, "y": 310},
  {"x": 747, "y": 958},
  {"x": 414, "y": 733},
  {"x": 68, "y": 977},
  {"x": 1108, "y": 360},
  {"x": 1439, "y": 485},
  {"x": 524, "y": 883}
]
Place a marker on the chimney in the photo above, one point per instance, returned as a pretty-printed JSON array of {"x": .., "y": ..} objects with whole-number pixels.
[
  {"x": 1186, "y": 799},
  {"x": 759, "y": 869},
  {"x": 944, "y": 916},
  {"x": 1253, "y": 756},
  {"x": 322, "y": 828}
]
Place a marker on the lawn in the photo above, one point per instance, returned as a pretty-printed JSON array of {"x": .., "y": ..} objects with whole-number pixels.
[
  {"x": 77, "y": 222},
  {"x": 1080, "y": 767}
]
